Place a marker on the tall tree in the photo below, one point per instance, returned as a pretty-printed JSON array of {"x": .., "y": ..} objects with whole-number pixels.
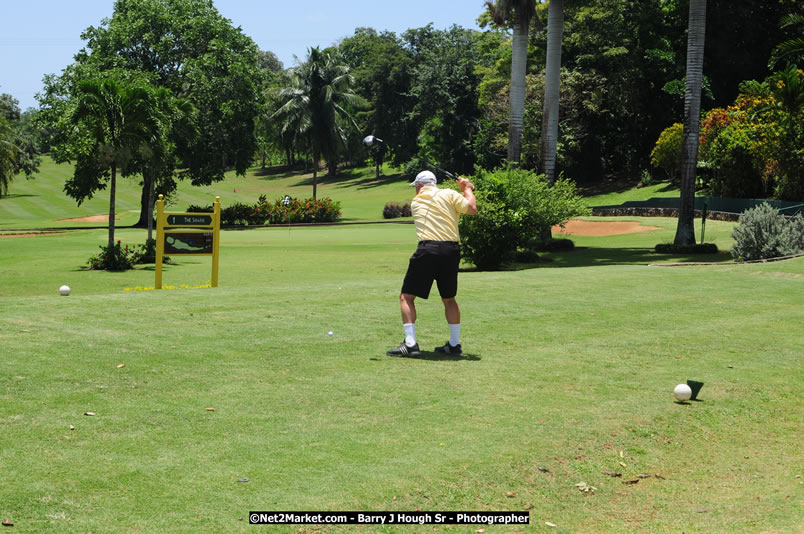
[
  {"x": 116, "y": 119},
  {"x": 552, "y": 87},
  {"x": 175, "y": 119},
  {"x": 383, "y": 72},
  {"x": 8, "y": 155},
  {"x": 685, "y": 231},
  {"x": 445, "y": 89},
  {"x": 316, "y": 105},
  {"x": 186, "y": 46},
  {"x": 18, "y": 150},
  {"x": 522, "y": 12}
]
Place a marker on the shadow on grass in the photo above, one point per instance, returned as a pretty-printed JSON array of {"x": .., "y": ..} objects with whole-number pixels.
[
  {"x": 7, "y": 197},
  {"x": 354, "y": 178},
  {"x": 439, "y": 357},
  {"x": 598, "y": 256}
]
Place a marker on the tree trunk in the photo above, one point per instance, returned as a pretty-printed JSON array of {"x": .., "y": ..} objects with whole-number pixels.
[
  {"x": 315, "y": 174},
  {"x": 552, "y": 92},
  {"x": 519, "y": 61},
  {"x": 151, "y": 188},
  {"x": 112, "y": 192},
  {"x": 552, "y": 88},
  {"x": 142, "y": 222},
  {"x": 685, "y": 231}
]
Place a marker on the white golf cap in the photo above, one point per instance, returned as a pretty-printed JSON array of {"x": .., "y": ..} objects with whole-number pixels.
[{"x": 425, "y": 178}]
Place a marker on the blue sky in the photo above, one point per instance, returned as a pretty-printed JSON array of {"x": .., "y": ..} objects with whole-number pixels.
[{"x": 41, "y": 36}]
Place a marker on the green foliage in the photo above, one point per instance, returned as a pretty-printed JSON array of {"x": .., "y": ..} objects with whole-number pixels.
[
  {"x": 445, "y": 91},
  {"x": 310, "y": 210},
  {"x": 18, "y": 150},
  {"x": 239, "y": 214},
  {"x": 146, "y": 253},
  {"x": 188, "y": 47},
  {"x": 755, "y": 147},
  {"x": 115, "y": 258},
  {"x": 392, "y": 210},
  {"x": 666, "y": 155},
  {"x": 764, "y": 233},
  {"x": 514, "y": 206},
  {"x": 315, "y": 107}
]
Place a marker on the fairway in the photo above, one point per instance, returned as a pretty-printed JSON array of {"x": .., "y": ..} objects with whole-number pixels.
[{"x": 568, "y": 372}]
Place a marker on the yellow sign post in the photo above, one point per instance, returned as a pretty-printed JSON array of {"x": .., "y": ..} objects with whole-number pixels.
[{"x": 187, "y": 234}]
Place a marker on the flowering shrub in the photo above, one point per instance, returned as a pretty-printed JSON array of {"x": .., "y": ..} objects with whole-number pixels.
[
  {"x": 114, "y": 258},
  {"x": 297, "y": 211},
  {"x": 755, "y": 147}
]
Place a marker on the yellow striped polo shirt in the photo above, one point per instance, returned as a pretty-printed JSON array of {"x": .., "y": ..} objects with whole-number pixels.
[{"x": 435, "y": 212}]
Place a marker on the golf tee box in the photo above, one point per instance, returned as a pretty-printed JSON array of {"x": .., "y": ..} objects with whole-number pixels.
[{"x": 187, "y": 234}]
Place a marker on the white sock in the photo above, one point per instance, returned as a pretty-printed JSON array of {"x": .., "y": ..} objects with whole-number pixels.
[
  {"x": 410, "y": 333},
  {"x": 455, "y": 334}
]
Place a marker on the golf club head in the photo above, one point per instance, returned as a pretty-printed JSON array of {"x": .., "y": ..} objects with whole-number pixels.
[{"x": 369, "y": 140}]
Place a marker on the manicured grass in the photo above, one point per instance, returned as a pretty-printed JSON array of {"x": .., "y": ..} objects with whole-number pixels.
[
  {"x": 661, "y": 189},
  {"x": 41, "y": 203},
  {"x": 570, "y": 367}
]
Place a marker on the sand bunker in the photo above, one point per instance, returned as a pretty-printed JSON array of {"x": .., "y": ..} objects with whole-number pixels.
[
  {"x": 104, "y": 217},
  {"x": 601, "y": 228}
]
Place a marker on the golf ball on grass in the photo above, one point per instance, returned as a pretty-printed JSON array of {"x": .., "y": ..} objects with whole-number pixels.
[
  {"x": 682, "y": 392},
  {"x": 331, "y": 333},
  {"x": 64, "y": 291}
]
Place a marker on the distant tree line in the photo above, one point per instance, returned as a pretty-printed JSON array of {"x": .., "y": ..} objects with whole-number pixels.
[{"x": 441, "y": 95}]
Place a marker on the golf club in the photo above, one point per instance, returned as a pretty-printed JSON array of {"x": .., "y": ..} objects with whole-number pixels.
[{"x": 369, "y": 141}]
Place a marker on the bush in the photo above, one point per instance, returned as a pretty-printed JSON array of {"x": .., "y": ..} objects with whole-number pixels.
[
  {"x": 114, "y": 258},
  {"x": 666, "y": 154},
  {"x": 699, "y": 248},
  {"x": 392, "y": 210},
  {"x": 514, "y": 207},
  {"x": 297, "y": 211},
  {"x": 763, "y": 232},
  {"x": 238, "y": 214},
  {"x": 147, "y": 253},
  {"x": 200, "y": 209}
]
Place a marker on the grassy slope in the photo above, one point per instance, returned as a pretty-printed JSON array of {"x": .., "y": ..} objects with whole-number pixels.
[{"x": 40, "y": 202}]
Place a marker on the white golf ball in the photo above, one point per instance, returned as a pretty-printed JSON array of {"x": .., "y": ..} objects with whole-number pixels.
[
  {"x": 682, "y": 392},
  {"x": 331, "y": 333},
  {"x": 64, "y": 290}
]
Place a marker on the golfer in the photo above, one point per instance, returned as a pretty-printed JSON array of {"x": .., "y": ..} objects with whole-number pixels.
[{"x": 435, "y": 213}]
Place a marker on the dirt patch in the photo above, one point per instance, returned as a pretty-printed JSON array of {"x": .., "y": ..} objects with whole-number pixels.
[
  {"x": 29, "y": 234},
  {"x": 601, "y": 228},
  {"x": 104, "y": 217}
]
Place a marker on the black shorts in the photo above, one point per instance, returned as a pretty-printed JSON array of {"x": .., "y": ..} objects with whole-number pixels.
[{"x": 433, "y": 260}]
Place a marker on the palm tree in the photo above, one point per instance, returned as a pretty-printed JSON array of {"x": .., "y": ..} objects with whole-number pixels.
[
  {"x": 118, "y": 118},
  {"x": 522, "y": 11},
  {"x": 685, "y": 231},
  {"x": 175, "y": 118},
  {"x": 316, "y": 107},
  {"x": 552, "y": 87},
  {"x": 791, "y": 49}
]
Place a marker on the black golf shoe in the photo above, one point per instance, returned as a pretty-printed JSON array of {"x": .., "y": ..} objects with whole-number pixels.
[
  {"x": 449, "y": 349},
  {"x": 404, "y": 350}
]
